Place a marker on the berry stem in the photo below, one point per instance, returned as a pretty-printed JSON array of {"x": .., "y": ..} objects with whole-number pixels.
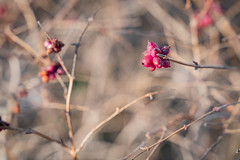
[
  {"x": 63, "y": 66},
  {"x": 117, "y": 112},
  {"x": 40, "y": 25},
  {"x": 71, "y": 80},
  {"x": 196, "y": 65},
  {"x": 147, "y": 148}
]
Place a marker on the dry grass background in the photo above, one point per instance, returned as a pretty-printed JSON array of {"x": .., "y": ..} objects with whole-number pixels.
[{"x": 109, "y": 74}]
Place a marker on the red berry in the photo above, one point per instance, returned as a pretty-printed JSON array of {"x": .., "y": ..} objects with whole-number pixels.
[
  {"x": 157, "y": 61},
  {"x": 47, "y": 43},
  {"x": 155, "y": 51},
  {"x": 42, "y": 73},
  {"x": 45, "y": 79},
  {"x": 165, "y": 50},
  {"x": 147, "y": 61},
  {"x": 49, "y": 50},
  {"x": 145, "y": 53},
  {"x": 60, "y": 71},
  {"x": 151, "y": 46},
  {"x": 52, "y": 76},
  {"x": 50, "y": 69},
  {"x": 165, "y": 63},
  {"x": 152, "y": 67}
]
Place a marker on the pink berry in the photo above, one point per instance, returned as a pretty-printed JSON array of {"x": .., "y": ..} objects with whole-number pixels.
[
  {"x": 203, "y": 21},
  {"x": 47, "y": 43},
  {"x": 147, "y": 61},
  {"x": 165, "y": 50},
  {"x": 50, "y": 69},
  {"x": 151, "y": 46},
  {"x": 52, "y": 76},
  {"x": 206, "y": 20},
  {"x": 155, "y": 51},
  {"x": 60, "y": 71},
  {"x": 145, "y": 53},
  {"x": 165, "y": 63},
  {"x": 152, "y": 67},
  {"x": 157, "y": 61}
]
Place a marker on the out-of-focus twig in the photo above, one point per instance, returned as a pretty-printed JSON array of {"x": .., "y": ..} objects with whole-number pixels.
[
  {"x": 164, "y": 129},
  {"x": 20, "y": 42},
  {"x": 28, "y": 14},
  {"x": 185, "y": 127},
  {"x": 187, "y": 4},
  {"x": 226, "y": 126},
  {"x": 63, "y": 66},
  {"x": 71, "y": 79},
  {"x": 211, "y": 147},
  {"x": 117, "y": 112},
  {"x": 31, "y": 131}
]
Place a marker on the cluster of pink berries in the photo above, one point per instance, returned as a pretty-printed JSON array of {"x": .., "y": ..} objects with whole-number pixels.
[
  {"x": 152, "y": 59},
  {"x": 206, "y": 19},
  {"x": 53, "y": 45},
  {"x": 50, "y": 71}
]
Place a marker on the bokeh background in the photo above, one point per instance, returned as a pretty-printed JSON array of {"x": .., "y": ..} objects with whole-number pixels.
[{"x": 109, "y": 74}]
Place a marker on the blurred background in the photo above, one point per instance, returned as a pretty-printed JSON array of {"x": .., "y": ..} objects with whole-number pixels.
[{"x": 109, "y": 74}]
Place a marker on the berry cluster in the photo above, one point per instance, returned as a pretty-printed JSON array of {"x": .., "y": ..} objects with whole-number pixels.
[
  {"x": 206, "y": 19},
  {"x": 50, "y": 71},
  {"x": 53, "y": 45},
  {"x": 151, "y": 58}
]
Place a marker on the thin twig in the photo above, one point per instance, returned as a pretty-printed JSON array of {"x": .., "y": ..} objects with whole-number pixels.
[
  {"x": 117, "y": 112},
  {"x": 31, "y": 131},
  {"x": 185, "y": 127},
  {"x": 62, "y": 84},
  {"x": 232, "y": 131},
  {"x": 23, "y": 44},
  {"x": 196, "y": 65},
  {"x": 164, "y": 129},
  {"x": 71, "y": 80},
  {"x": 211, "y": 147},
  {"x": 40, "y": 25},
  {"x": 134, "y": 151},
  {"x": 63, "y": 66}
]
